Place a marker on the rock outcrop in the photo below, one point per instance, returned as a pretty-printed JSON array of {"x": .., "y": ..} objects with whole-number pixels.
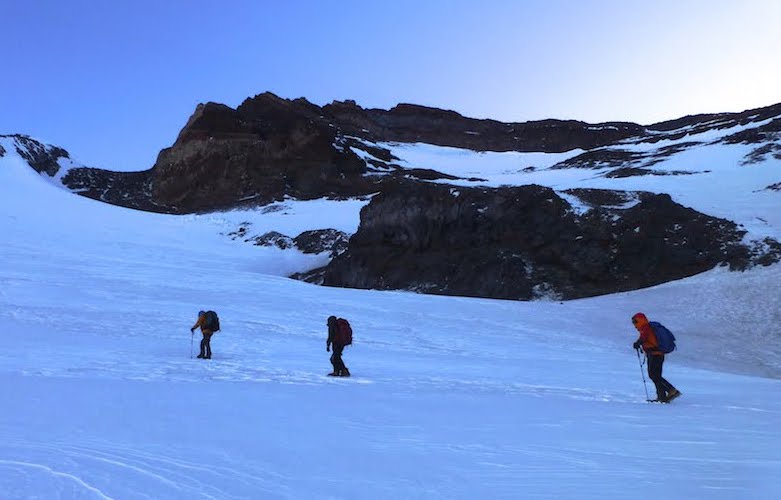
[{"x": 527, "y": 242}]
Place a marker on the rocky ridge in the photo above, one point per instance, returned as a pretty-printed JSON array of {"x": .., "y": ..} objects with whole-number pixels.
[{"x": 270, "y": 147}]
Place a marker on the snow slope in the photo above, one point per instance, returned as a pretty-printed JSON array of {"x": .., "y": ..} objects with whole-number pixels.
[{"x": 451, "y": 397}]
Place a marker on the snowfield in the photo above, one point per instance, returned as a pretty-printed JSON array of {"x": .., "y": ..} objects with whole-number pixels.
[{"x": 451, "y": 398}]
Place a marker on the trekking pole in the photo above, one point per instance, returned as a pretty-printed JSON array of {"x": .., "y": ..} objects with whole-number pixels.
[
  {"x": 642, "y": 373},
  {"x": 191, "y": 344}
]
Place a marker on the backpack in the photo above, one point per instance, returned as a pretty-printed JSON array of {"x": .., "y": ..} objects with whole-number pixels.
[
  {"x": 344, "y": 332},
  {"x": 212, "y": 321},
  {"x": 664, "y": 337}
]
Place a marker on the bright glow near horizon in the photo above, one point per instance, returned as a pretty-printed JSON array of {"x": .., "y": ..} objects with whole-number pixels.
[{"x": 114, "y": 82}]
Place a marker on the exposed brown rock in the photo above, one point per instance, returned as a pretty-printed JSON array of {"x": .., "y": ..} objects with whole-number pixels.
[{"x": 267, "y": 148}]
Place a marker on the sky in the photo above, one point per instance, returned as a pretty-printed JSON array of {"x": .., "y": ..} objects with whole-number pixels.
[{"x": 114, "y": 82}]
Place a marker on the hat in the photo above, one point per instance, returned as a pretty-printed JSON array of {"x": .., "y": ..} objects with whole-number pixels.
[{"x": 639, "y": 319}]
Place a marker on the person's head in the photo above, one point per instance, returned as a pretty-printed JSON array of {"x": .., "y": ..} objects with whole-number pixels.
[
  {"x": 331, "y": 320},
  {"x": 639, "y": 320},
  {"x": 201, "y": 313}
]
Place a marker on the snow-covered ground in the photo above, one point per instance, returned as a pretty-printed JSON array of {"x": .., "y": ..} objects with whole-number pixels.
[{"x": 450, "y": 397}]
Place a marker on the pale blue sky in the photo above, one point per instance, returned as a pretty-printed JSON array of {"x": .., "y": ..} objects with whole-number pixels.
[{"x": 113, "y": 81}]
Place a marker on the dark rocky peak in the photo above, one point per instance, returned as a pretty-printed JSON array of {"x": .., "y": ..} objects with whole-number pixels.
[
  {"x": 267, "y": 148},
  {"x": 270, "y": 110},
  {"x": 212, "y": 120},
  {"x": 256, "y": 118}
]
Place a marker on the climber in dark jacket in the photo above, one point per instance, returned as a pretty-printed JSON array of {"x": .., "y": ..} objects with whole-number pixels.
[{"x": 336, "y": 357}]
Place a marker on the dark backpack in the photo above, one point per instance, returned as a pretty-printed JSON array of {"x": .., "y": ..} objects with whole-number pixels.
[
  {"x": 344, "y": 332},
  {"x": 212, "y": 321},
  {"x": 664, "y": 337}
]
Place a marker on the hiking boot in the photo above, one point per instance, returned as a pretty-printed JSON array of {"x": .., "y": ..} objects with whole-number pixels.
[
  {"x": 674, "y": 393},
  {"x": 333, "y": 374},
  {"x": 200, "y": 356},
  {"x": 344, "y": 373}
]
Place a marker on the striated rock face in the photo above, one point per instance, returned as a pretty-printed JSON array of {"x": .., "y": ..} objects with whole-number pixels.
[
  {"x": 528, "y": 242},
  {"x": 265, "y": 149}
]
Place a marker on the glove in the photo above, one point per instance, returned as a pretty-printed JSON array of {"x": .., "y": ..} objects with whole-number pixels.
[
  {"x": 637, "y": 344},
  {"x": 327, "y": 348},
  {"x": 192, "y": 330}
]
